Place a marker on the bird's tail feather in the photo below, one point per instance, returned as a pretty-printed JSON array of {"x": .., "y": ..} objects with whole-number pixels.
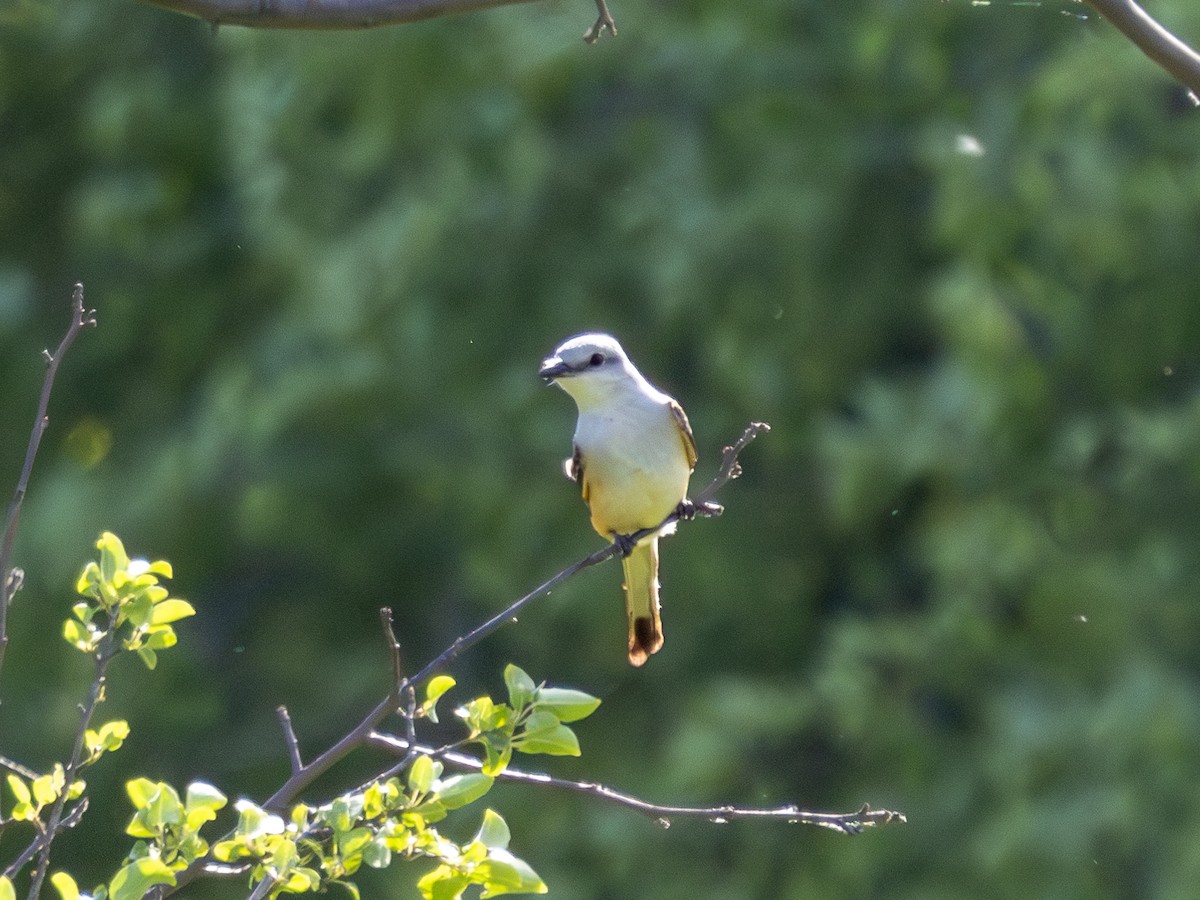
[{"x": 641, "y": 601}]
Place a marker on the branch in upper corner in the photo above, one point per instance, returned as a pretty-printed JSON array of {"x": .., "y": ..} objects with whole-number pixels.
[
  {"x": 10, "y": 580},
  {"x": 327, "y": 14},
  {"x": 846, "y": 823},
  {"x": 1179, "y": 60}
]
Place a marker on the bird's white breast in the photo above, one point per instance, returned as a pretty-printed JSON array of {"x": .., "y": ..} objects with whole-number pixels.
[{"x": 635, "y": 465}]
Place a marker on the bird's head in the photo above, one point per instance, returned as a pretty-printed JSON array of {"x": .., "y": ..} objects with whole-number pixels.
[{"x": 589, "y": 365}]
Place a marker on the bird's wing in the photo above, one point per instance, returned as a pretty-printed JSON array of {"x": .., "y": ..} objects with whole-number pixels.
[
  {"x": 685, "y": 431},
  {"x": 573, "y": 469}
]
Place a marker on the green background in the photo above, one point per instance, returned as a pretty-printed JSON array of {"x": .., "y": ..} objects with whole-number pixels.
[{"x": 958, "y": 579}]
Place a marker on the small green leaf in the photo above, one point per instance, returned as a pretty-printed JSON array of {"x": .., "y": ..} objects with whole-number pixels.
[
  {"x": 6, "y": 889},
  {"x": 45, "y": 791},
  {"x": 494, "y": 831},
  {"x": 437, "y": 686},
  {"x": 160, "y": 637},
  {"x": 149, "y": 657},
  {"x": 460, "y": 790},
  {"x": 503, "y": 873},
  {"x": 443, "y": 883},
  {"x": 77, "y": 635},
  {"x": 66, "y": 886},
  {"x": 113, "y": 558},
  {"x": 141, "y": 791},
  {"x": 164, "y": 808},
  {"x": 520, "y": 686},
  {"x": 567, "y": 704},
  {"x": 134, "y": 880},
  {"x": 203, "y": 801},
  {"x": 171, "y": 611},
  {"x": 496, "y": 756},
  {"x": 88, "y": 577},
  {"x": 19, "y": 788},
  {"x": 421, "y": 775},
  {"x": 545, "y": 734},
  {"x": 139, "y": 609},
  {"x": 161, "y": 567},
  {"x": 377, "y": 854},
  {"x": 112, "y": 734}
]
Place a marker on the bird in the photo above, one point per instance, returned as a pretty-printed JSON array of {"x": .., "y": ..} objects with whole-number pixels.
[{"x": 633, "y": 457}]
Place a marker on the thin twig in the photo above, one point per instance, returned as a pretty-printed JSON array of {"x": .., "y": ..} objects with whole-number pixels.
[
  {"x": 70, "y": 820},
  {"x": 393, "y": 645},
  {"x": 846, "y": 823},
  {"x": 105, "y": 654},
  {"x": 362, "y": 733},
  {"x": 8, "y": 585},
  {"x": 604, "y": 22},
  {"x": 289, "y": 737},
  {"x": 14, "y": 766},
  {"x": 1175, "y": 57}
]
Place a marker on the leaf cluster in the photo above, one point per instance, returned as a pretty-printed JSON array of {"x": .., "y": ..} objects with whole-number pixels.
[{"x": 123, "y": 596}]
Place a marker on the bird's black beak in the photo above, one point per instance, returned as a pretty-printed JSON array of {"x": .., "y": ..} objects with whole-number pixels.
[{"x": 554, "y": 368}]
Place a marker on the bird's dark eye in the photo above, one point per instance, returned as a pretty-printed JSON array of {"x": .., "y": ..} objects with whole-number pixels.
[{"x": 597, "y": 359}]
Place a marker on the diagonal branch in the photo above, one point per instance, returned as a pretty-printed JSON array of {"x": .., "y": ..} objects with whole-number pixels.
[
  {"x": 846, "y": 823},
  {"x": 11, "y": 580},
  {"x": 703, "y": 505},
  {"x": 1179, "y": 60},
  {"x": 344, "y": 14}
]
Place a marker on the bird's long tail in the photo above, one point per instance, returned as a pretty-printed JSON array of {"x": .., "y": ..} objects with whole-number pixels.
[{"x": 641, "y": 601}]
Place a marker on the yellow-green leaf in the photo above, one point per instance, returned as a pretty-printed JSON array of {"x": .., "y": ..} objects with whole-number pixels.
[
  {"x": 6, "y": 889},
  {"x": 44, "y": 790},
  {"x": 135, "y": 879},
  {"x": 171, "y": 610},
  {"x": 140, "y": 791},
  {"x": 19, "y": 788},
  {"x": 567, "y": 704},
  {"x": 421, "y": 775},
  {"x": 67, "y": 888}
]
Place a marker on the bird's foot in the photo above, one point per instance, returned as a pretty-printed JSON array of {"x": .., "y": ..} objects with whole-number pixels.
[{"x": 625, "y": 543}]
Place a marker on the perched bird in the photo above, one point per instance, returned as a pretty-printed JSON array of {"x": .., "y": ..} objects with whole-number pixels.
[{"x": 634, "y": 454}]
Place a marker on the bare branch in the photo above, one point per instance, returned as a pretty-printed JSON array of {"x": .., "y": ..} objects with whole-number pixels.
[
  {"x": 289, "y": 736},
  {"x": 70, "y": 820},
  {"x": 1179, "y": 60},
  {"x": 327, "y": 14},
  {"x": 103, "y": 656},
  {"x": 846, "y": 823},
  {"x": 8, "y": 582}
]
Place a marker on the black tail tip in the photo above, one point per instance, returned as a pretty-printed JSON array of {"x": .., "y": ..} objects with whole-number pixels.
[{"x": 645, "y": 639}]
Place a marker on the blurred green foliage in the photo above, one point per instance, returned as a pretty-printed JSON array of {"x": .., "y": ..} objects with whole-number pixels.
[{"x": 947, "y": 251}]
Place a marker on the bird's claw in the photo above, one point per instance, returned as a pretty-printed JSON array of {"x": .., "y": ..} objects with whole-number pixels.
[{"x": 625, "y": 543}]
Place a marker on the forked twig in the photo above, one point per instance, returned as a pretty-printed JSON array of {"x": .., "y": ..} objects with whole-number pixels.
[{"x": 604, "y": 22}]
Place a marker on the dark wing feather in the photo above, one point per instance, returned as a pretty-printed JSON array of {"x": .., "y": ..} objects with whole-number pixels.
[{"x": 685, "y": 430}]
